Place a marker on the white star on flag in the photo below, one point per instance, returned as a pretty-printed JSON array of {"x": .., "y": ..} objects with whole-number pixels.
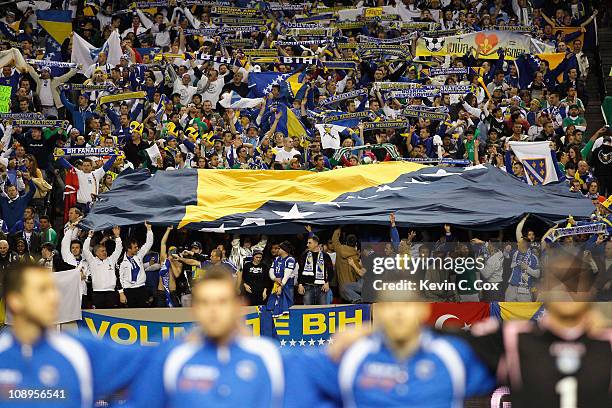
[
  {"x": 302, "y": 343},
  {"x": 283, "y": 342},
  {"x": 466, "y": 327},
  {"x": 321, "y": 341},
  {"x": 415, "y": 181},
  {"x": 311, "y": 342},
  {"x": 220, "y": 229},
  {"x": 292, "y": 343},
  {"x": 330, "y": 340},
  {"x": 256, "y": 221},
  {"x": 293, "y": 214},
  {"x": 389, "y": 188},
  {"x": 440, "y": 173},
  {"x": 336, "y": 203},
  {"x": 477, "y": 167}
]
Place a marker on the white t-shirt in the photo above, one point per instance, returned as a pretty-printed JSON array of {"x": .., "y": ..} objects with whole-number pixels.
[
  {"x": 283, "y": 155},
  {"x": 88, "y": 184}
]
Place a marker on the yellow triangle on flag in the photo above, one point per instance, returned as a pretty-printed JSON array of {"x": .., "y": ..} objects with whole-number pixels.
[{"x": 58, "y": 30}]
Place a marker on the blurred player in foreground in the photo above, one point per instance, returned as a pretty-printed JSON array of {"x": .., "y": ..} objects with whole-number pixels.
[
  {"x": 400, "y": 364},
  {"x": 40, "y": 367},
  {"x": 213, "y": 366},
  {"x": 563, "y": 360}
]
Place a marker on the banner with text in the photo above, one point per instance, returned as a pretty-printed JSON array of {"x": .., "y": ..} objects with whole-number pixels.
[
  {"x": 303, "y": 327},
  {"x": 487, "y": 43}
]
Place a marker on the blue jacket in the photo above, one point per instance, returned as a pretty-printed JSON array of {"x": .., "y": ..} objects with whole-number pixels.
[
  {"x": 12, "y": 210},
  {"x": 79, "y": 116},
  {"x": 80, "y": 370},
  {"x": 439, "y": 374},
  {"x": 195, "y": 372}
]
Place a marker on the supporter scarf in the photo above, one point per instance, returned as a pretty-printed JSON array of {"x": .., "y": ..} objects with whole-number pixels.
[
  {"x": 235, "y": 21},
  {"x": 344, "y": 46},
  {"x": 214, "y": 58},
  {"x": 345, "y": 116},
  {"x": 374, "y": 40},
  {"x": 303, "y": 25},
  {"x": 594, "y": 228},
  {"x": 312, "y": 32},
  {"x": 317, "y": 17},
  {"x": 377, "y": 52},
  {"x": 414, "y": 93},
  {"x": 425, "y": 114},
  {"x": 349, "y": 25},
  {"x": 426, "y": 91},
  {"x": 384, "y": 17},
  {"x": 419, "y": 26},
  {"x": 299, "y": 60},
  {"x": 89, "y": 87},
  {"x": 47, "y": 63},
  {"x": 439, "y": 33},
  {"x": 204, "y": 3},
  {"x": 383, "y": 46},
  {"x": 41, "y": 123},
  {"x": 238, "y": 42},
  {"x": 234, "y": 11},
  {"x": 15, "y": 116},
  {"x": 450, "y": 162},
  {"x": 454, "y": 89},
  {"x": 283, "y": 7},
  {"x": 517, "y": 29},
  {"x": 241, "y": 29},
  {"x": 343, "y": 96},
  {"x": 205, "y": 31},
  {"x": 150, "y": 4},
  {"x": 304, "y": 43},
  {"x": 394, "y": 85},
  {"x": 338, "y": 64},
  {"x": 318, "y": 271},
  {"x": 164, "y": 276},
  {"x": 266, "y": 52},
  {"x": 387, "y": 124},
  {"x": 122, "y": 97},
  {"x": 86, "y": 151},
  {"x": 448, "y": 71},
  {"x": 135, "y": 268}
]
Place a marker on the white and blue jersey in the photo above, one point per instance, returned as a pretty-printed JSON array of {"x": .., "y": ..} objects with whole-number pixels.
[
  {"x": 195, "y": 372},
  {"x": 60, "y": 370},
  {"x": 441, "y": 372}
]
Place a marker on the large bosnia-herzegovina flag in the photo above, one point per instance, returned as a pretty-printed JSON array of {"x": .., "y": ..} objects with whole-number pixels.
[
  {"x": 479, "y": 197},
  {"x": 58, "y": 24}
]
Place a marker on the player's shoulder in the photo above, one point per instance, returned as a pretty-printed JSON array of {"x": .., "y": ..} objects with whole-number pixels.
[
  {"x": 6, "y": 341},
  {"x": 602, "y": 335},
  {"x": 258, "y": 345},
  {"x": 363, "y": 348}
]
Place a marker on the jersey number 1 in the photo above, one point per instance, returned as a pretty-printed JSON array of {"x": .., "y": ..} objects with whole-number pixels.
[{"x": 567, "y": 388}]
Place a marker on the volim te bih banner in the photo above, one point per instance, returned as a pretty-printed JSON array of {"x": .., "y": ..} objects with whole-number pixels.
[{"x": 303, "y": 327}]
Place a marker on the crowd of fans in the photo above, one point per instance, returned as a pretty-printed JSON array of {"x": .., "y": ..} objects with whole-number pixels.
[{"x": 44, "y": 196}]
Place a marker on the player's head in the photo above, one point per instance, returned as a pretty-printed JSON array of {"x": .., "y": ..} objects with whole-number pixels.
[
  {"x": 400, "y": 314},
  {"x": 216, "y": 304},
  {"x": 31, "y": 294},
  {"x": 567, "y": 310}
]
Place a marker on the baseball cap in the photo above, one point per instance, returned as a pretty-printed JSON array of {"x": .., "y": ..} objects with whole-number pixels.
[{"x": 196, "y": 244}]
